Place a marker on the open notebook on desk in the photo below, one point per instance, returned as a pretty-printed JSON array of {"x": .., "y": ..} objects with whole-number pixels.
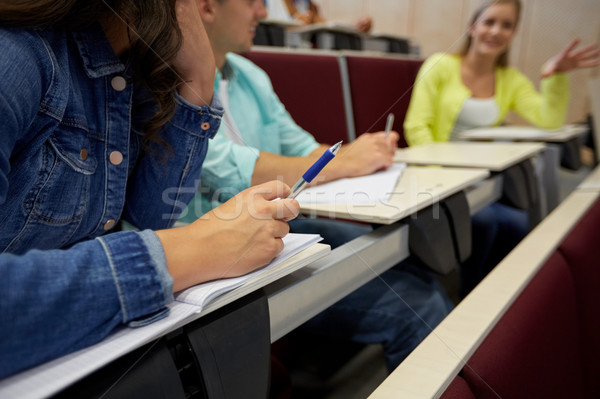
[
  {"x": 202, "y": 294},
  {"x": 374, "y": 188},
  {"x": 51, "y": 377}
]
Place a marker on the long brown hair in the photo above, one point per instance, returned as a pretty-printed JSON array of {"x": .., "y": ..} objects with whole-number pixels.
[
  {"x": 154, "y": 44},
  {"x": 503, "y": 58}
]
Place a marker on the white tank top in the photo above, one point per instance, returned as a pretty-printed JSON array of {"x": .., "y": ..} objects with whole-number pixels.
[{"x": 476, "y": 112}]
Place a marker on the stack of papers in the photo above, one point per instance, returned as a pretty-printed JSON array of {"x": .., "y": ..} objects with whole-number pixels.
[{"x": 370, "y": 189}]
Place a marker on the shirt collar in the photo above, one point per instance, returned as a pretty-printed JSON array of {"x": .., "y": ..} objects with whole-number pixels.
[
  {"x": 227, "y": 72},
  {"x": 96, "y": 52}
]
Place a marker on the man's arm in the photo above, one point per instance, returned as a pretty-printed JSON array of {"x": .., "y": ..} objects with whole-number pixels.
[{"x": 369, "y": 153}]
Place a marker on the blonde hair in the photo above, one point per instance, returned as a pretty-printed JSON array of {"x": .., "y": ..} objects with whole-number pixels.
[{"x": 503, "y": 58}]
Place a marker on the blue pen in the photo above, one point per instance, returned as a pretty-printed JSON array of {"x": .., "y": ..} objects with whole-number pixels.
[{"x": 314, "y": 170}]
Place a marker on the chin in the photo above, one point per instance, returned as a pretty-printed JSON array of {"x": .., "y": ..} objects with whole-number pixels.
[
  {"x": 494, "y": 52},
  {"x": 243, "y": 48}
]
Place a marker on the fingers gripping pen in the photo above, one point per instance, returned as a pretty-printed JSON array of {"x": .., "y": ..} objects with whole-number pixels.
[{"x": 314, "y": 170}]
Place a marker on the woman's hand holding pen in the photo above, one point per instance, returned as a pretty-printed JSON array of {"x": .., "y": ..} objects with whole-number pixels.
[
  {"x": 569, "y": 59},
  {"x": 195, "y": 61},
  {"x": 233, "y": 239}
]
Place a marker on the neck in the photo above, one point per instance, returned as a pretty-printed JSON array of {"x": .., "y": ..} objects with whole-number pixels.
[
  {"x": 479, "y": 64},
  {"x": 218, "y": 51}
]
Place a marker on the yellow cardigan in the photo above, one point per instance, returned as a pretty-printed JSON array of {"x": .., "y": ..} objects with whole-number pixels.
[{"x": 439, "y": 94}]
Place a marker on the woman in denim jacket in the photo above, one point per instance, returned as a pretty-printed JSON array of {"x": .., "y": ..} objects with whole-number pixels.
[{"x": 106, "y": 112}]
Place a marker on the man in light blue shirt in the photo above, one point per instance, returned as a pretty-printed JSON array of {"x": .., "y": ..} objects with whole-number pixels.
[
  {"x": 257, "y": 127},
  {"x": 259, "y": 141}
]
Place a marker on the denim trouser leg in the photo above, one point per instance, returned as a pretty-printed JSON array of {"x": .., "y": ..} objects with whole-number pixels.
[
  {"x": 497, "y": 229},
  {"x": 396, "y": 309}
]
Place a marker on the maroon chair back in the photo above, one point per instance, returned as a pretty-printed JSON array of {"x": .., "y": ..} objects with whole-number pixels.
[
  {"x": 310, "y": 87},
  {"x": 532, "y": 351},
  {"x": 581, "y": 249},
  {"x": 458, "y": 389},
  {"x": 379, "y": 86},
  {"x": 546, "y": 344}
]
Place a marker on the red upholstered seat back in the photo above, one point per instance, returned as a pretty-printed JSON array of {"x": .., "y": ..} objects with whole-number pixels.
[
  {"x": 310, "y": 87},
  {"x": 532, "y": 351},
  {"x": 581, "y": 249},
  {"x": 379, "y": 86},
  {"x": 458, "y": 389}
]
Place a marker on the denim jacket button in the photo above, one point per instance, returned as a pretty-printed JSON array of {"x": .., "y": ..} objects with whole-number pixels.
[
  {"x": 118, "y": 83},
  {"x": 110, "y": 223},
  {"x": 83, "y": 154},
  {"x": 205, "y": 126},
  {"x": 115, "y": 158}
]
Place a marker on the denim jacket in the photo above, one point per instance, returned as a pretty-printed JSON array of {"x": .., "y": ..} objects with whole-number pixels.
[{"x": 71, "y": 166}]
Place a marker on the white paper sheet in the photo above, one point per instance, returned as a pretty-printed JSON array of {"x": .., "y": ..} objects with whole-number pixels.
[{"x": 355, "y": 190}]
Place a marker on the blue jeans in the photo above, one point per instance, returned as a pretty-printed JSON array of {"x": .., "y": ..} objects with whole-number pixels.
[
  {"x": 496, "y": 230},
  {"x": 397, "y": 309}
]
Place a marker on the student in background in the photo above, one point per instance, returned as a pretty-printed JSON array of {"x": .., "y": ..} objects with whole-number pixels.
[
  {"x": 477, "y": 88},
  {"x": 259, "y": 141},
  {"x": 306, "y": 12},
  {"x": 107, "y": 111}
]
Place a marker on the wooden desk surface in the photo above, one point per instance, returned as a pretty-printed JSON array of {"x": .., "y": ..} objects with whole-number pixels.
[
  {"x": 524, "y": 133},
  {"x": 417, "y": 188},
  {"x": 592, "y": 182},
  {"x": 329, "y": 26},
  {"x": 492, "y": 156},
  {"x": 285, "y": 23}
]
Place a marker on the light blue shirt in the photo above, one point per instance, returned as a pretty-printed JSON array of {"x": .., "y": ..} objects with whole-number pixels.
[{"x": 264, "y": 125}]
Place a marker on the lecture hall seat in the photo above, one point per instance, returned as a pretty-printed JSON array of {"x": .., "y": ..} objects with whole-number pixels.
[
  {"x": 378, "y": 86},
  {"x": 310, "y": 87},
  {"x": 546, "y": 344}
]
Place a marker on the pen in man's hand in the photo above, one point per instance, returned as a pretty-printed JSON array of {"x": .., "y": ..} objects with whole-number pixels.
[
  {"x": 314, "y": 170},
  {"x": 388, "y": 125}
]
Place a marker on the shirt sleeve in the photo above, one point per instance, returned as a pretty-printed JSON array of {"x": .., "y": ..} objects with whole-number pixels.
[
  {"x": 228, "y": 167},
  {"x": 57, "y": 301},
  {"x": 547, "y": 109},
  {"x": 421, "y": 113}
]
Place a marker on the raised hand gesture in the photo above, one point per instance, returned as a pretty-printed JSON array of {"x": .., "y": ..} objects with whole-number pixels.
[{"x": 570, "y": 59}]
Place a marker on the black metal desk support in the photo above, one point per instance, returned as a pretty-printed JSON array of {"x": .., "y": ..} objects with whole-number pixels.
[{"x": 223, "y": 355}]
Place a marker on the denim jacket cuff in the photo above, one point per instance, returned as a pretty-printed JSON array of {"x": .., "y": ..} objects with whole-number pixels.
[
  {"x": 140, "y": 273},
  {"x": 155, "y": 249},
  {"x": 199, "y": 121}
]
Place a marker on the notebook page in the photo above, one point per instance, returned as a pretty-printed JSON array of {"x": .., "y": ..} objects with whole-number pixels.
[
  {"x": 201, "y": 294},
  {"x": 374, "y": 188}
]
